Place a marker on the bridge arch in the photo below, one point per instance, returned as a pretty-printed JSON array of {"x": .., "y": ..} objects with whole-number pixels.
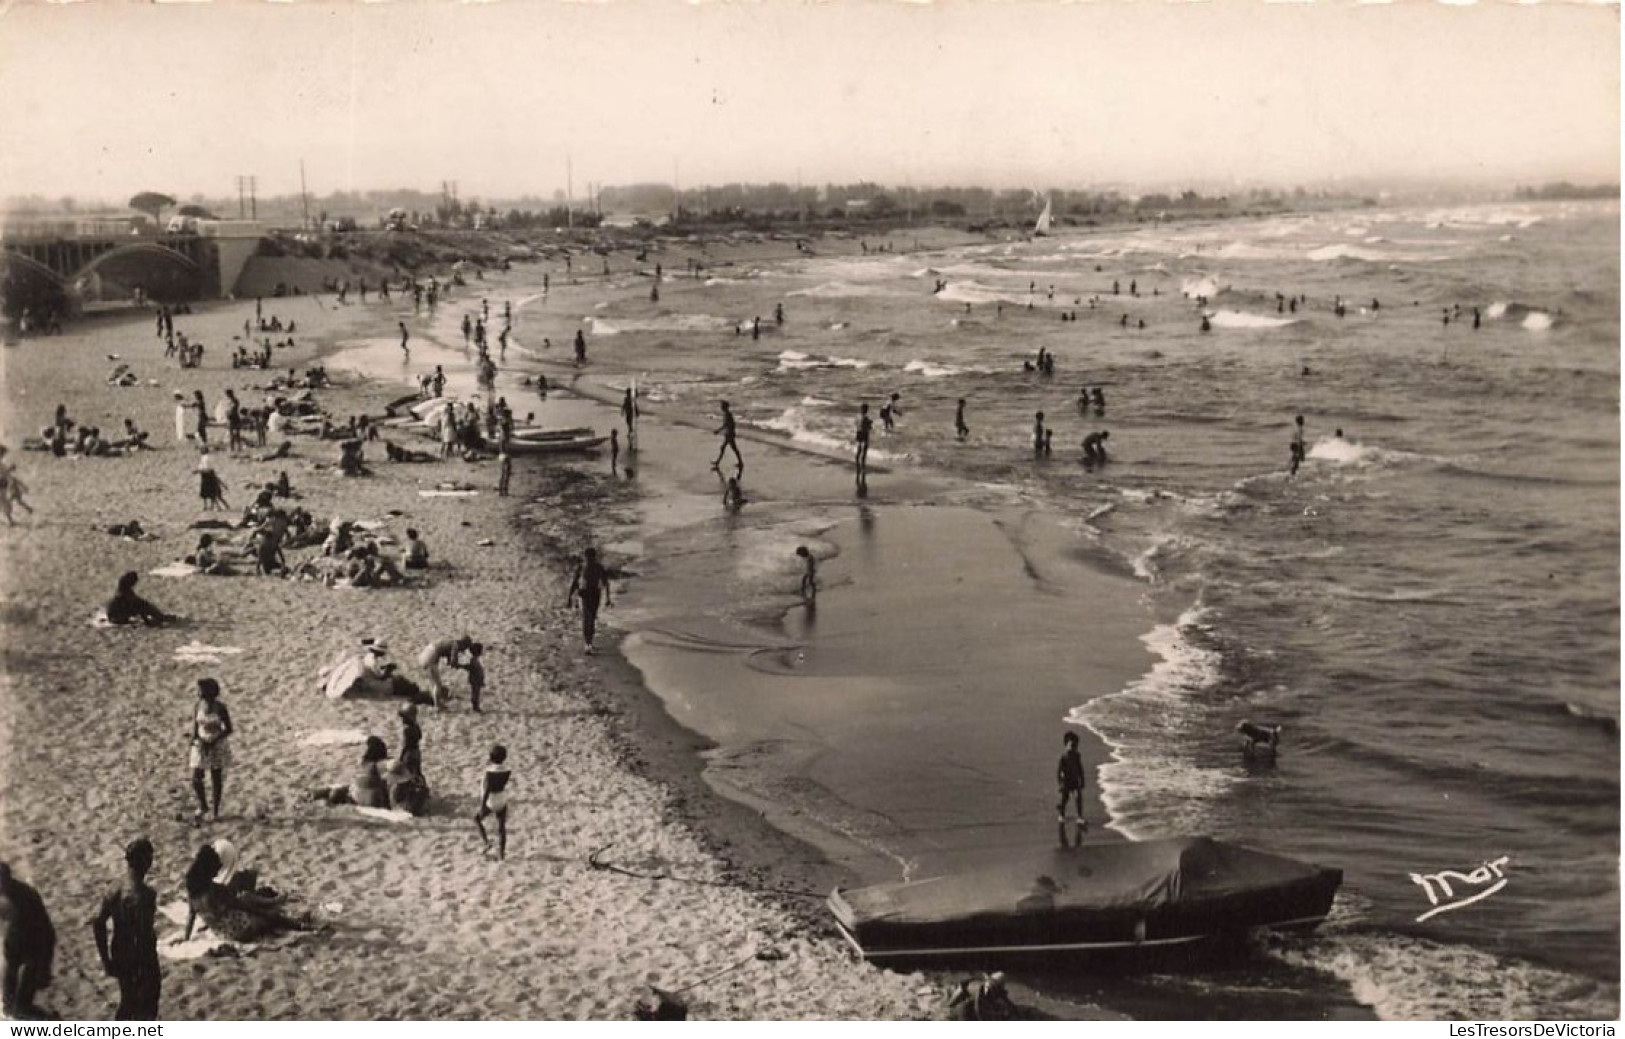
[
  {"x": 138, "y": 248},
  {"x": 28, "y": 284},
  {"x": 129, "y": 266}
]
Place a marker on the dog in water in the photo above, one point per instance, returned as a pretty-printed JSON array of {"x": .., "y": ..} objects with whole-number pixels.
[{"x": 1259, "y": 740}]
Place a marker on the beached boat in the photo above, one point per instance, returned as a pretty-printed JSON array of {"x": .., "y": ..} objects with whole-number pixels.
[
  {"x": 1044, "y": 220},
  {"x": 539, "y": 433},
  {"x": 556, "y": 445},
  {"x": 1119, "y": 895}
]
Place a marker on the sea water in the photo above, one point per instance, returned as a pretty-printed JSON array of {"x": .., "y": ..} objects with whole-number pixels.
[{"x": 1429, "y": 607}]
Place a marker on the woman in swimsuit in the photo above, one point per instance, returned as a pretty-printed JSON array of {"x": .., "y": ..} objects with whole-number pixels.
[{"x": 211, "y": 745}]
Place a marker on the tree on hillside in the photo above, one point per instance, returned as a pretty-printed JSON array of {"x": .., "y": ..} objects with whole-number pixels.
[
  {"x": 153, "y": 204},
  {"x": 198, "y": 211}
]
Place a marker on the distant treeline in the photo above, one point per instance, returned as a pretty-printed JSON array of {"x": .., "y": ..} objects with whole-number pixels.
[
  {"x": 737, "y": 203},
  {"x": 1563, "y": 190},
  {"x": 730, "y": 203}
]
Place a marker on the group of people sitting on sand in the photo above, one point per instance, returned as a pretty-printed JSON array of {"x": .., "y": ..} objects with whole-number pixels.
[
  {"x": 260, "y": 357},
  {"x": 379, "y": 782},
  {"x": 88, "y": 442},
  {"x": 64, "y": 437}
]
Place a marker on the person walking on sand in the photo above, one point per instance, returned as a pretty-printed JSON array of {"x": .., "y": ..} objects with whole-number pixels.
[
  {"x": 1296, "y": 446},
  {"x": 1069, "y": 778},
  {"x": 405, "y": 336},
  {"x": 210, "y": 487},
  {"x": 28, "y": 946},
  {"x": 202, "y": 417},
  {"x": 581, "y": 348},
  {"x": 430, "y": 658},
  {"x": 494, "y": 800},
  {"x": 11, "y": 488},
  {"x": 129, "y": 953},
  {"x": 234, "y": 422},
  {"x": 809, "y": 573},
  {"x": 728, "y": 432},
  {"x": 211, "y": 746},
  {"x": 960, "y": 429},
  {"x": 591, "y": 584}
]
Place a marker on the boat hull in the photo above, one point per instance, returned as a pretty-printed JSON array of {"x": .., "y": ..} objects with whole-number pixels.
[
  {"x": 1082, "y": 900},
  {"x": 517, "y": 446}
]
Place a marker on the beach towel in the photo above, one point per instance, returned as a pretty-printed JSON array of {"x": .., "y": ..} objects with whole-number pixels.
[
  {"x": 174, "y": 570},
  {"x": 206, "y": 943},
  {"x": 333, "y": 738},
  {"x": 448, "y": 494},
  {"x": 99, "y": 620},
  {"x": 386, "y": 815},
  {"x": 195, "y": 652}
]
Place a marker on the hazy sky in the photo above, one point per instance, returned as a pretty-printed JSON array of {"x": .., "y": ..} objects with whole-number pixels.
[{"x": 103, "y": 98}]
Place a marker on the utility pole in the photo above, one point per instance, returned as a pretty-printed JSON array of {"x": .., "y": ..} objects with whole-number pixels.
[
  {"x": 304, "y": 196},
  {"x": 569, "y": 195},
  {"x": 246, "y": 184}
]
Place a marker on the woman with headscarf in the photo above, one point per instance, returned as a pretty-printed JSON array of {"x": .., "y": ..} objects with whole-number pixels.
[{"x": 234, "y": 912}]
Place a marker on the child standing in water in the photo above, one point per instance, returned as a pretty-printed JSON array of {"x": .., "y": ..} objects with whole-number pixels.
[
  {"x": 809, "y": 573},
  {"x": 494, "y": 800}
]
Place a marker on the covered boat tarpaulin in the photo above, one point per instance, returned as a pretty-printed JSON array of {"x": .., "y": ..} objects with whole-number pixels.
[{"x": 1095, "y": 896}]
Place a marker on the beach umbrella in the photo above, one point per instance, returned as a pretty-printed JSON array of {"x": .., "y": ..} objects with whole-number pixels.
[{"x": 343, "y": 677}]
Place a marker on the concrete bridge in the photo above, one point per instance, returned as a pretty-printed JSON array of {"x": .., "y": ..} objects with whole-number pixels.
[{"x": 57, "y": 270}]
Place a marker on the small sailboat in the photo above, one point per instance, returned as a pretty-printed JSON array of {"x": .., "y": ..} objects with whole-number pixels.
[{"x": 1042, "y": 227}]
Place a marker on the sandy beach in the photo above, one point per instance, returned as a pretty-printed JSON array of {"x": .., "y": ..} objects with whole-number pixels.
[{"x": 97, "y": 718}]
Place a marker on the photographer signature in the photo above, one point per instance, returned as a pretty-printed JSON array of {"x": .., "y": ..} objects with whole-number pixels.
[{"x": 1437, "y": 884}]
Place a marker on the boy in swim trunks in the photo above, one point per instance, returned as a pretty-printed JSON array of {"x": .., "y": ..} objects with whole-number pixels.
[{"x": 494, "y": 800}]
